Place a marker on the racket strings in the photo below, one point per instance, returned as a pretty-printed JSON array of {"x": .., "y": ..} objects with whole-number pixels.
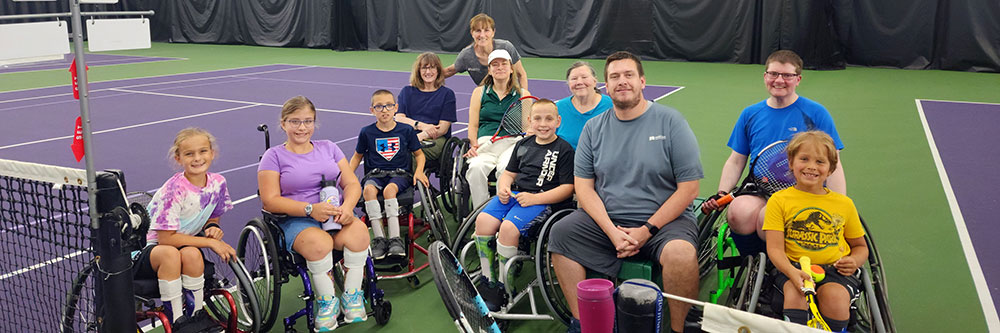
[
  {"x": 510, "y": 124},
  {"x": 464, "y": 292},
  {"x": 770, "y": 169}
]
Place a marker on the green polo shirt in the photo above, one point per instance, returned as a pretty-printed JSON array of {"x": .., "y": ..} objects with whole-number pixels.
[{"x": 491, "y": 110}]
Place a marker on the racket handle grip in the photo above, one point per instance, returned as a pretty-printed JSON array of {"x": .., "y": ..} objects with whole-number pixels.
[
  {"x": 721, "y": 201},
  {"x": 804, "y": 263}
]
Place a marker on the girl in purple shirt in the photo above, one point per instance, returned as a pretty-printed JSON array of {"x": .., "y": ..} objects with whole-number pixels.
[{"x": 289, "y": 178}]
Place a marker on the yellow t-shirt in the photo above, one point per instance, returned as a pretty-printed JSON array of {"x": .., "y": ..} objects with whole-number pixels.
[{"x": 816, "y": 225}]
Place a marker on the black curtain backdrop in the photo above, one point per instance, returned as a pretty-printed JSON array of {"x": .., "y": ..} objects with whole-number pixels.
[{"x": 829, "y": 34}]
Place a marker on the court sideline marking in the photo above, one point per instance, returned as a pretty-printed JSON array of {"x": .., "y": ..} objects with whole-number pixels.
[{"x": 982, "y": 289}]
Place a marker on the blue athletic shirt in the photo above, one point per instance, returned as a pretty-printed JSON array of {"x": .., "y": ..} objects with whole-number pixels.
[
  {"x": 387, "y": 150},
  {"x": 760, "y": 125},
  {"x": 573, "y": 120}
]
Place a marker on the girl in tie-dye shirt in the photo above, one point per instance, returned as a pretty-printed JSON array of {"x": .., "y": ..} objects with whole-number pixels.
[{"x": 184, "y": 216}]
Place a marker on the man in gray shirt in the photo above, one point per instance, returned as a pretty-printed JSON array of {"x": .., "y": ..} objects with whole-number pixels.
[{"x": 636, "y": 174}]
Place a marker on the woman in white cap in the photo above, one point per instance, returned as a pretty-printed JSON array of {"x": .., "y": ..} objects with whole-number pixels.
[
  {"x": 489, "y": 101},
  {"x": 473, "y": 58}
]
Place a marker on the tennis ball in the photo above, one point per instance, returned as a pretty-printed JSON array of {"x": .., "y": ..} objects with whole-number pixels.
[{"x": 817, "y": 272}]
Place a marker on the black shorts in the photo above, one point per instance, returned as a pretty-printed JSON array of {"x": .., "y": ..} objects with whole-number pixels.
[
  {"x": 580, "y": 239},
  {"x": 142, "y": 268},
  {"x": 852, "y": 283}
]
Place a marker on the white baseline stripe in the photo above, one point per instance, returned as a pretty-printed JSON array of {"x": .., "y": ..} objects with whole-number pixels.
[
  {"x": 982, "y": 289},
  {"x": 40, "y": 265},
  {"x": 132, "y": 126}
]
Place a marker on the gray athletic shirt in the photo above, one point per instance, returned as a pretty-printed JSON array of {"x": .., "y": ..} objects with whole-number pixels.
[
  {"x": 637, "y": 164},
  {"x": 466, "y": 61}
]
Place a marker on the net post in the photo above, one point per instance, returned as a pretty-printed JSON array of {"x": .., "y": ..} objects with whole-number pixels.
[
  {"x": 113, "y": 287},
  {"x": 81, "y": 74}
]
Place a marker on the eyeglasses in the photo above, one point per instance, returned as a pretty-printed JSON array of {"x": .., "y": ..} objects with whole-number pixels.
[
  {"x": 383, "y": 108},
  {"x": 299, "y": 122},
  {"x": 775, "y": 75},
  {"x": 428, "y": 68}
]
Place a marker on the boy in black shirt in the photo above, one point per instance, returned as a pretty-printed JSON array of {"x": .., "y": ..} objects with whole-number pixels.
[{"x": 539, "y": 175}]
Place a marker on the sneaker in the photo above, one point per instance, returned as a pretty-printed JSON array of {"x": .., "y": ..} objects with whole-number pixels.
[
  {"x": 326, "y": 316},
  {"x": 199, "y": 322},
  {"x": 354, "y": 306},
  {"x": 379, "y": 245},
  {"x": 574, "y": 326},
  {"x": 397, "y": 247},
  {"x": 493, "y": 293}
]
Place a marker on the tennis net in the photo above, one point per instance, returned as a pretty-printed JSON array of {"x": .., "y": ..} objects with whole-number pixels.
[{"x": 46, "y": 243}]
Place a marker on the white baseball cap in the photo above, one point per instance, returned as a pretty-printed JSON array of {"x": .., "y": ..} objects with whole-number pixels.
[{"x": 498, "y": 53}]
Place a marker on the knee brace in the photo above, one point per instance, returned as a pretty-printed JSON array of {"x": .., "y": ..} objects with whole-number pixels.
[{"x": 355, "y": 264}]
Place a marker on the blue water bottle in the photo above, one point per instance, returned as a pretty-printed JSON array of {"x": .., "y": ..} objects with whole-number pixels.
[{"x": 330, "y": 194}]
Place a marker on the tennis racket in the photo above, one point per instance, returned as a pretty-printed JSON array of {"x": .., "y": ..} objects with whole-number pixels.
[
  {"x": 459, "y": 295},
  {"x": 769, "y": 173},
  {"x": 809, "y": 288},
  {"x": 514, "y": 118}
]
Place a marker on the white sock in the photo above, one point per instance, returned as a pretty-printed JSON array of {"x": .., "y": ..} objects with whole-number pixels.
[
  {"x": 319, "y": 271},
  {"x": 375, "y": 217},
  {"x": 504, "y": 253},
  {"x": 172, "y": 292},
  {"x": 197, "y": 287},
  {"x": 355, "y": 264},
  {"x": 392, "y": 215}
]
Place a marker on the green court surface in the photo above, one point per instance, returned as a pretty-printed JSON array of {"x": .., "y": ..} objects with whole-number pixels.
[{"x": 890, "y": 170}]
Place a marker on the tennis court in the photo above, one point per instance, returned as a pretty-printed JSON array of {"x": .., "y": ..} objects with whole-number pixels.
[{"x": 135, "y": 119}]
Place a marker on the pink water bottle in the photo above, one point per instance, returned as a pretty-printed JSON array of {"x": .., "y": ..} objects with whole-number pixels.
[{"x": 597, "y": 306}]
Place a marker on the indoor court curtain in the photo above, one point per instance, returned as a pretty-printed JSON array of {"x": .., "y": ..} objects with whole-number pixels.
[{"x": 302, "y": 23}]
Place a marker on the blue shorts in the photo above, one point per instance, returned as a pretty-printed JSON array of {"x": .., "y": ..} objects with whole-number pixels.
[
  {"x": 380, "y": 183},
  {"x": 293, "y": 226},
  {"x": 522, "y": 217}
]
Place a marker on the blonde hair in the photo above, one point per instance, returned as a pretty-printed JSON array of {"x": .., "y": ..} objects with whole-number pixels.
[
  {"x": 188, "y": 133},
  {"x": 815, "y": 138},
  {"x": 427, "y": 58},
  {"x": 482, "y": 20},
  {"x": 544, "y": 101},
  {"x": 294, "y": 104}
]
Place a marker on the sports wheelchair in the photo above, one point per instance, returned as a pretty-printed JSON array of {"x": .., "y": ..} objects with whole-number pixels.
[
  {"x": 262, "y": 248},
  {"x": 518, "y": 287},
  {"x": 230, "y": 299},
  {"x": 743, "y": 281},
  {"x": 432, "y": 221}
]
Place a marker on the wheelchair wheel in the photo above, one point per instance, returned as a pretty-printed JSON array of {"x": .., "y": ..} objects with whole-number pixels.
[
  {"x": 871, "y": 313},
  {"x": 708, "y": 241},
  {"x": 432, "y": 214},
  {"x": 79, "y": 311},
  {"x": 545, "y": 271},
  {"x": 459, "y": 185},
  {"x": 464, "y": 241},
  {"x": 258, "y": 251},
  {"x": 233, "y": 278},
  {"x": 750, "y": 281},
  {"x": 446, "y": 164}
]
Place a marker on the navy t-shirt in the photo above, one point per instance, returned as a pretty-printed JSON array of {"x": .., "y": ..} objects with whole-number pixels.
[
  {"x": 428, "y": 107},
  {"x": 387, "y": 150}
]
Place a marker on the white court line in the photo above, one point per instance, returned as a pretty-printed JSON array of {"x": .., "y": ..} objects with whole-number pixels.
[
  {"x": 153, "y": 83},
  {"x": 40, "y": 265},
  {"x": 41, "y": 66},
  {"x": 982, "y": 288},
  {"x": 132, "y": 126},
  {"x": 230, "y": 100},
  {"x": 668, "y": 94}
]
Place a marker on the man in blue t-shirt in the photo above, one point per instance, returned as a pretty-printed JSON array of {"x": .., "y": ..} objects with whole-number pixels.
[
  {"x": 636, "y": 172},
  {"x": 778, "y": 117},
  {"x": 385, "y": 145}
]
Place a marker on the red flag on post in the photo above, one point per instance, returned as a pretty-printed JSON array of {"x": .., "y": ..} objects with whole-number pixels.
[
  {"x": 77, "y": 145},
  {"x": 72, "y": 75}
]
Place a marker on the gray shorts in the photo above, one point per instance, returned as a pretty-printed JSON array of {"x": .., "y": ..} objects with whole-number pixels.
[{"x": 580, "y": 239}]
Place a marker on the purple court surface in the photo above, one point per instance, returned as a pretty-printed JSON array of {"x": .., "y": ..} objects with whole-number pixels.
[
  {"x": 134, "y": 120},
  {"x": 93, "y": 60},
  {"x": 965, "y": 139}
]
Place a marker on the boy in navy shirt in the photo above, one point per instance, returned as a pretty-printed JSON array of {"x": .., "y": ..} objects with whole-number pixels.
[{"x": 384, "y": 145}]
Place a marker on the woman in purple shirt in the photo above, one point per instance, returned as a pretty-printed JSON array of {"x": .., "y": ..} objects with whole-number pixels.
[{"x": 289, "y": 178}]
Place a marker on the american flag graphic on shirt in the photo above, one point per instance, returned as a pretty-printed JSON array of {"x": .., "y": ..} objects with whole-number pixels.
[{"x": 387, "y": 147}]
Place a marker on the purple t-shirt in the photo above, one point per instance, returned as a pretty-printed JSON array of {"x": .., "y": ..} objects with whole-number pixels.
[
  {"x": 299, "y": 175},
  {"x": 183, "y": 207}
]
